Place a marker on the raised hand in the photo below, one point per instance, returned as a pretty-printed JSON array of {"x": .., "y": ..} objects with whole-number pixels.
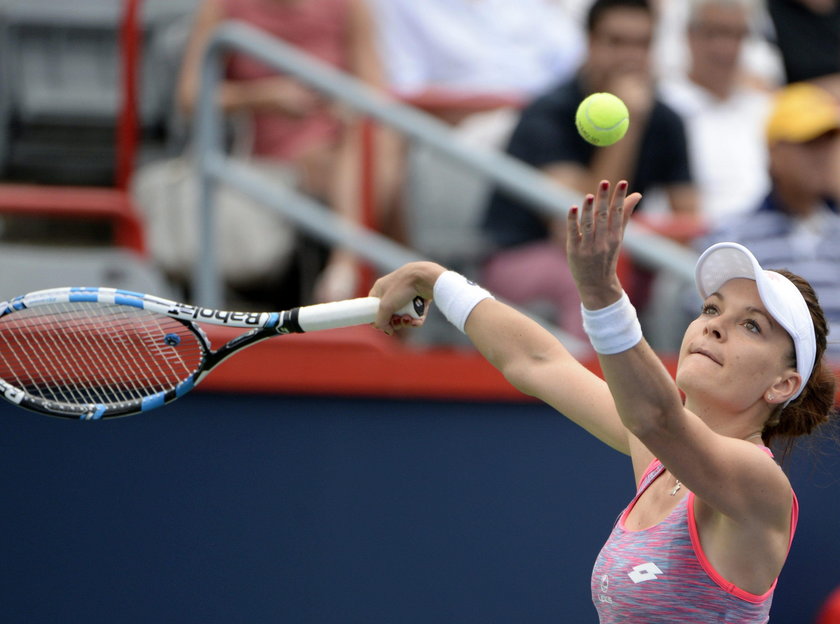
[{"x": 593, "y": 240}]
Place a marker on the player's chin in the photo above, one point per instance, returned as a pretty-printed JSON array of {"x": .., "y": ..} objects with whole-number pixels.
[{"x": 694, "y": 377}]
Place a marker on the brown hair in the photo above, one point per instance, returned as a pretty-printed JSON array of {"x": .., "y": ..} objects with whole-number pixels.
[
  {"x": 600, "y": 7},
  {"x": 815, "y": 406}
]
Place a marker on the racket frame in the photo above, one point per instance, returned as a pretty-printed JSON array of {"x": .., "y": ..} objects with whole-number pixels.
[{"x": 261, "y": 325}]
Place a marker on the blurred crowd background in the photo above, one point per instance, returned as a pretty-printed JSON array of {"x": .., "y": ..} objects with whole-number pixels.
[{"x": 734, "y": 135}]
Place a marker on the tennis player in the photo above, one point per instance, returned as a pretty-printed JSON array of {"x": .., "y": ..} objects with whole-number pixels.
[{"x": 711, "y": 524}]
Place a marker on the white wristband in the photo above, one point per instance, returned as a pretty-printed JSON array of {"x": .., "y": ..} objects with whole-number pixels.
[
  {"x": 456, "y": 297},
  {"x": 613, "y": 329}
]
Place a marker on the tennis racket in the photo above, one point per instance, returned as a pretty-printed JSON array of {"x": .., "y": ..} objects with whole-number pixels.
[{"x": 92, "y": 353}]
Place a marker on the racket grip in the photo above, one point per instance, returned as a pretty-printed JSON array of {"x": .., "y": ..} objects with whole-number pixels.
[
  {"x": 416, "y": 308},
  {"x": 348, "y": 313}
]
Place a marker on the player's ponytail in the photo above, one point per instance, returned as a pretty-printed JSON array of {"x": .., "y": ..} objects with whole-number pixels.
[{"x": 815, "y": 406}]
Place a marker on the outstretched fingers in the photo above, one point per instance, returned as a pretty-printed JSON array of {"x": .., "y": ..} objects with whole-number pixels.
[
  {"x": 602, "y": 218},
  {"x": 616, "y": 214},
  {"x": 603, "y": 211},
  {"x": 587, "y": 218},
  {"x": 594, "y": 237},
  {"x": 622, "y": 209}
]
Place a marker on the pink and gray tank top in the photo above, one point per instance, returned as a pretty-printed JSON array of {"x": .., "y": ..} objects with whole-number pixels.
[{"x": 662, "y": 575}]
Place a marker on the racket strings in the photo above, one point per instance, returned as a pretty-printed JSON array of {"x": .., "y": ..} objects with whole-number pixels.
[
  {"x": 48, "y": 355},
  {"x": 92, "y": 359},
  {"x": 53, "y": 366},
  {"x": 93, "y": 353},
  {"x": 47, "y": 363}
]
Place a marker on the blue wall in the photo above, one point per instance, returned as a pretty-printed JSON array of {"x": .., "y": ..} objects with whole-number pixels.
[{"x": 315, "y": 510}]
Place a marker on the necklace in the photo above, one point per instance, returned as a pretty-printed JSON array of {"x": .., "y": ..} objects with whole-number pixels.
[{"x": 678, "y": 483}]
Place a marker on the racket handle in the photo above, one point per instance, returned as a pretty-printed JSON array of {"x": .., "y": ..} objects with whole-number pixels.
[{"x": 335, "y": 314}]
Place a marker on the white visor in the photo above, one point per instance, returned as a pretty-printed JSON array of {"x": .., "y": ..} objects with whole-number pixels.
[{"x": 725, "y": 261}]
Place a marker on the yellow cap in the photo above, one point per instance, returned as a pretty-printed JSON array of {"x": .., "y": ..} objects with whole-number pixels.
[{"x": 801, "y": 112}]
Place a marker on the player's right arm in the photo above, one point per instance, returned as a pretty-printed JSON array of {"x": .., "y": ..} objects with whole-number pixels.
[{"x": 529, "y": 357}]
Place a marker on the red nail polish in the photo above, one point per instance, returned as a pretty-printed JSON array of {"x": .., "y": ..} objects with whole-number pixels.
[
  {"x": 605, "y": 185},
  {"x": 574, "y": 210},
  {"x": 622, "y": 185}
]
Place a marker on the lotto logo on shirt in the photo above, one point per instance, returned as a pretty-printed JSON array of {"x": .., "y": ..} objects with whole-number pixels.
[
  {"x": 644, "y": 572},
  {"x": 605, "y": 587}
]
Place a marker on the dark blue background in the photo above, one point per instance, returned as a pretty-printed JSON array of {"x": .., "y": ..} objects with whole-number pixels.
[{"x": 221, "y": 508}]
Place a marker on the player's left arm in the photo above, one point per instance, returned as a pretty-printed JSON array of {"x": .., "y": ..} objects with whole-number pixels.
[{"x": 732, "y": 476}]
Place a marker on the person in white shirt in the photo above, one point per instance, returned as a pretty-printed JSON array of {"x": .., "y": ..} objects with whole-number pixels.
[
  {"x": 724, "y": 113},
  {"x": 761, "y": 60},
  {"x": 517, "y": 47}
]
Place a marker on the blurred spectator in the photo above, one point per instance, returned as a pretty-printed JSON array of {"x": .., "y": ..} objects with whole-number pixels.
[
  {"x": 472, "y": 64},
  {"x": 290, "y": 122},
  {"x": 467, "y": 47},
  {"x": 760, "y": 62},
  {"x": 797, "y": 226},
  {"x": 807, "y": 33},
  {"x": 529, "y": 265},
  {"x": 830, "y": 611},
  {"x": 724, "y": 115}
]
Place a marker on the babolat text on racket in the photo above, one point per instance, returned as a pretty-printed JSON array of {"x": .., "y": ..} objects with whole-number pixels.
[{"x": 92, "y": 353}]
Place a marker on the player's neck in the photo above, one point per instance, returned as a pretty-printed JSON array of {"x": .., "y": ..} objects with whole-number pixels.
[{"x": 725, "y": 419}]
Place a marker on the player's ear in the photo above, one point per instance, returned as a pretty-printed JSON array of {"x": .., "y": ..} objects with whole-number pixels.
[{"x": 783, "y": 388}]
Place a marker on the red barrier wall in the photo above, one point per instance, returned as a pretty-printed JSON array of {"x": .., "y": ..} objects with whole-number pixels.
[{"x": 361, "y": 361}]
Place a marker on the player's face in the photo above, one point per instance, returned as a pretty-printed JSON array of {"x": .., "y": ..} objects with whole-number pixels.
[
  {"x": 621, "y": 42},
  {"x": 734, "y": 351}
]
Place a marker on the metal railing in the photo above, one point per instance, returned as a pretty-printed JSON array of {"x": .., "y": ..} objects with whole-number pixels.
[{"x": 518, "y": 179}]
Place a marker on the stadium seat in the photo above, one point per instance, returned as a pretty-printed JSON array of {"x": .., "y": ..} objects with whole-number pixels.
[
  {"x": 49, "y": 213},
  {"x": 27, "y": 268},
  {"x": 445, "y": 200},
  {"x": 61, "y": 69},
  {"x": 69, "y": 236}
]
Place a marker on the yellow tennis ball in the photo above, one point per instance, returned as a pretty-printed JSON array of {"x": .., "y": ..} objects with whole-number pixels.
[{"x": 602, "y": 119}]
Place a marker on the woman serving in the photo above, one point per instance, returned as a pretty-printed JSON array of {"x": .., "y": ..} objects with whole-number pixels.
[{"x": 707, "y": 534}]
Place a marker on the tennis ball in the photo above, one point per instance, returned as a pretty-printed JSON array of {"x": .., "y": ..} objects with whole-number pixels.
[{"x": 602, "y": 119}]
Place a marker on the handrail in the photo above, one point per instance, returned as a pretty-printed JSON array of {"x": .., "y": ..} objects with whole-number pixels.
[{"x": 521, "y": 180}]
